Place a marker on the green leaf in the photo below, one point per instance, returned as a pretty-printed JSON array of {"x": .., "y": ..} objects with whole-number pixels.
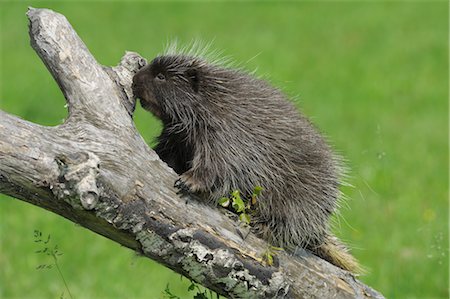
[
  {"x": 200, "y": 296},
  {"x": 244, "y": 218},
  {"x": 238, "y": 204},
  {"x": 269, "y": 259},
  {"x": 273, "y": 248},
  {"x": 236, "y": 194},
  {"x": 257, "y": 190},
  {"x": 168, "y": 293},
  {"x": 224, "y": 202},
  {"x": 191, "y": 287}
]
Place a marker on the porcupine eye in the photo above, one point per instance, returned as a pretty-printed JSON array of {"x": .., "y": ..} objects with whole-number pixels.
[{"x": 160, "y": 77}]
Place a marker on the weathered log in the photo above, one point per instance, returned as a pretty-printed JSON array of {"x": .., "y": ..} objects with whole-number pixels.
[{"x": 96, "y": 170}]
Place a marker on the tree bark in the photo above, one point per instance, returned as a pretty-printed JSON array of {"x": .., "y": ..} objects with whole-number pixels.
[{"x": 97, "y": 171}]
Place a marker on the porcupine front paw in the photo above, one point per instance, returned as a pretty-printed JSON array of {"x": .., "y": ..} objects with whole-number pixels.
[
  {"x": 181, "y": 186},
  {"x": 187, "y": 184}
]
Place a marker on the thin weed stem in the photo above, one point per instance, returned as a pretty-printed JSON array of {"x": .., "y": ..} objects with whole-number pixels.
[{"x": 61, "y": 275}]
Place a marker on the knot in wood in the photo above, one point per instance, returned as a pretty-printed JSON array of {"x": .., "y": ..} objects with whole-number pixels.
[{"x": 77, "y": 180}]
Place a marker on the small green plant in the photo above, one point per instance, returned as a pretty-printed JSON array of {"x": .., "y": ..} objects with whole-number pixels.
[
  {"x": 269, "y": 254},
  {"x": 206, "y": 294},
  {"x": 168, "y": 293},
  {"x": 241, "y": 206},
  {"x": 46, "y": 248}
]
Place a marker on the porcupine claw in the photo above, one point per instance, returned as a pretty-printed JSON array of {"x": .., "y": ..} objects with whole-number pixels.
[
  {"x": 181, "y": 186},
  {"x": 187, "y": 184}
]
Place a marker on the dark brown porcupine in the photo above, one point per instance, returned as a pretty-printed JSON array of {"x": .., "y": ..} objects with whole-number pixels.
[{"x": 225, "y": 130}]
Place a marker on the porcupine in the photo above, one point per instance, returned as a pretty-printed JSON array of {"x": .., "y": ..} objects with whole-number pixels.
[{"x": 224, "y": 130}]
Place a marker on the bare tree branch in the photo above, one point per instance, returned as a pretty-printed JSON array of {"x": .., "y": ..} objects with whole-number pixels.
[{"x": 96, "y": 170}]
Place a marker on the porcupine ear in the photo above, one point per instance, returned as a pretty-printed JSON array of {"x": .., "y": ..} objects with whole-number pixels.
[{"x": 193, "y": 76}]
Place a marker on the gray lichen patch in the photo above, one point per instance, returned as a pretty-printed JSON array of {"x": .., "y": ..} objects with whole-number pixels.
[
  {"x": 152, "y": 244},
  {"x": 278, "y": 285},
  {"x": 242, "y": 284},
  {"x": 222, "y": 267}
]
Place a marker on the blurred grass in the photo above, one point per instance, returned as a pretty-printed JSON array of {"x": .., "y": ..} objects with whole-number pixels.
[{"x": 372, "y": 75}]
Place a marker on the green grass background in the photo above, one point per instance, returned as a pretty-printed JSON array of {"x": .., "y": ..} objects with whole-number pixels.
[{"x": 372, "y": 75}]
